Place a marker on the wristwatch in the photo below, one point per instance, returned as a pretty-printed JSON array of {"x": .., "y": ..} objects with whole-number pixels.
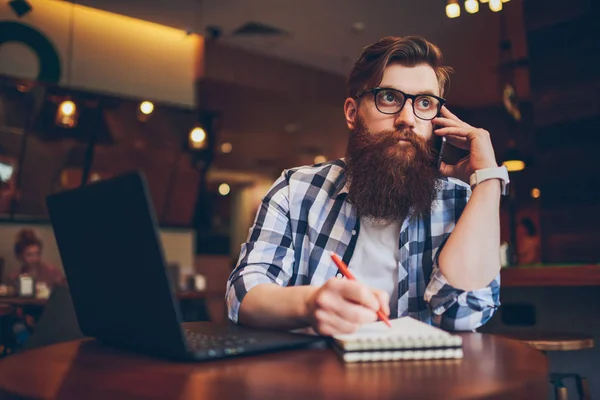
[{"x": 491, "y": 173}]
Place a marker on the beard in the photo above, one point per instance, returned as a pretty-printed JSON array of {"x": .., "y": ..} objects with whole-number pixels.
[{"x": 390, "y": 179}]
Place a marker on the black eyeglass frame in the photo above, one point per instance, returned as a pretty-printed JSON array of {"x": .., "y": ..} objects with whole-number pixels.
[{"x": 406, "y": 96}]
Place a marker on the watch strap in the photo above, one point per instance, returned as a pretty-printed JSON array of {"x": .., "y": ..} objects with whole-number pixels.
[{"x": 485, "y": 174}]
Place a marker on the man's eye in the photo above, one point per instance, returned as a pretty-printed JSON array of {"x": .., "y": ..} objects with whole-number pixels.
[
  {"x": 388, "y": 97},
  {"x": 426, "y": 103}
]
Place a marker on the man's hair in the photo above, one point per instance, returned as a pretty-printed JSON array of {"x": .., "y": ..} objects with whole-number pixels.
[{"x": 409, "y": 51}]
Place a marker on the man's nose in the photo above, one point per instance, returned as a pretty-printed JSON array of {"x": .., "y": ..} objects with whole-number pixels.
[{"x": 406, "y": 116}]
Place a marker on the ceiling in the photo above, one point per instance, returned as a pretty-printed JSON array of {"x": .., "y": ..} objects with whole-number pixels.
[
  {"x": 325, "y": 34},
  {"x": 269, "y": 134}
]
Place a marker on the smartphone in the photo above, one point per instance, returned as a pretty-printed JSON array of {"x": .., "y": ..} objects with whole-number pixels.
[{"x": 439, "y": 143}]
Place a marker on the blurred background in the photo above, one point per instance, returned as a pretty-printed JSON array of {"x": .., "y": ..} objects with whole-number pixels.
[{"x": 213, "y": 99}]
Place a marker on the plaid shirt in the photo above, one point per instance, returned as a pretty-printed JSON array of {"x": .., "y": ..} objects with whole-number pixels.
[{"x": 306, "y": 215}]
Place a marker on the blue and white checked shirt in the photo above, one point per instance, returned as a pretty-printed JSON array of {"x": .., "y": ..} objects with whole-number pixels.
[{"x": 306, "y": 214}]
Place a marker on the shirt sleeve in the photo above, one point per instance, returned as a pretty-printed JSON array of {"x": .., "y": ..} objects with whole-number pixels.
[
  {"x": 267, "y": 256},
  {"x": 458, "y": 310},
  {"x": 455, "y": 309}
]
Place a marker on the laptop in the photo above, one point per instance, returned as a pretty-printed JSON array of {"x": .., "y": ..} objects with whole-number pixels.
[{"x": 115, "y": 267}]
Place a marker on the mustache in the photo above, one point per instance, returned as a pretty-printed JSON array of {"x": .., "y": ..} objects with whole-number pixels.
[{"x": 390, "y": 138}]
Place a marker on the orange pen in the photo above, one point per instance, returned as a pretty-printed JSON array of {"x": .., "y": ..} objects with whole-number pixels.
[{"x": 346, "y": 272}]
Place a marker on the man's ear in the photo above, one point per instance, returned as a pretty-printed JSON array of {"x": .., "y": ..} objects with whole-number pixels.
[{"x": 351, "y": 112}]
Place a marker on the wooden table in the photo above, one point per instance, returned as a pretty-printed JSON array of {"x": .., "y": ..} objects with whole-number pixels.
[
  {"x": 493, "y": 368},
  {"x": 32, "y": 301},
  {"x": 23, "y": 301}
]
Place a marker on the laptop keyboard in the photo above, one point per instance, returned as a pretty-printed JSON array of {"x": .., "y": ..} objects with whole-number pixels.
[{"x": 217, "y": 344}]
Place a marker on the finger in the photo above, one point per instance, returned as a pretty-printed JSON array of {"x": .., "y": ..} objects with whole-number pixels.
[
  {"x": 456, "y": 134},
  {"x": 384, "y": 301},
  {"x": 445, "y": 122},
  {"x": 459, "y": 142},
  {"x": 328, "y": 323},
  {"x": 358, "y": 293},
  {"x": 454, "y": 130},
  {"x": 447, "y": 169},
  {"x": 334, "y": 302},
  {"x": 356, "y": 314}
]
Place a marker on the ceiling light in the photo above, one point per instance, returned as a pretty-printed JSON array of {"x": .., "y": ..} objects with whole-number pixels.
[
  {"x": 514, "y": 165},
  {"x": 197, "y": 138},
  {"x": 146, "y": 107},
  {"x": 513, "y": 159},
  {"x": 224, "y": 189},
  {"x": 471, "y": 6},
  {"x": 320, "y": 159},
  {"x": 495, "y": 5},
  {"x": 226, "y": 147},
  {"x": 66, "y": 115},
  {"x": 452, "y": 9}
]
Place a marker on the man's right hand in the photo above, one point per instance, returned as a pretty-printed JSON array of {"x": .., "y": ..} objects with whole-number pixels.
[{"x": 341, "y": 306}]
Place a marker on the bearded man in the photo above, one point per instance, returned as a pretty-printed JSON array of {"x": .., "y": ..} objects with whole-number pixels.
[{"x": 420, "y": 240}]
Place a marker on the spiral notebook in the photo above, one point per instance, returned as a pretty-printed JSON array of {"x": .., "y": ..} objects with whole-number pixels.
[{"x": 407, "y": 339}]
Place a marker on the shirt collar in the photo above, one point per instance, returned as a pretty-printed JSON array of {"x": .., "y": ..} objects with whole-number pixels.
[{"x": 344, "y": 178}]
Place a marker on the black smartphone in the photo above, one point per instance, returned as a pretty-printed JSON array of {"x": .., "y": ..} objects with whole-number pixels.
[{"x": 439, "y": 143}]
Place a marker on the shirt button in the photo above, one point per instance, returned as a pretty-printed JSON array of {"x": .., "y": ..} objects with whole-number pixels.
[
  {"x": 353, "y": 232},
  {"x": 338, "y": 275}
]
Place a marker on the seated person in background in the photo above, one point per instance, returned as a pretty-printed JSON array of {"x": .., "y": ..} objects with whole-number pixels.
[
  {"x": 28, "y": 250},
  {"x": 419, "y": 240}
]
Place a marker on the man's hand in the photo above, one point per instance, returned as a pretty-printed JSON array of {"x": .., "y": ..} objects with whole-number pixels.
[
  {"x": 464, "y": 136},
  {"x": 341, "y": 306}
]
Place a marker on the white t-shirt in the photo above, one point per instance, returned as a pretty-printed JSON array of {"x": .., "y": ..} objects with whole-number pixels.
[{"x": 375, "y": 258}]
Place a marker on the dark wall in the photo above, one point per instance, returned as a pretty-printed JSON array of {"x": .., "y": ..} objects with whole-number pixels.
[{"x": 564, "y": 57}]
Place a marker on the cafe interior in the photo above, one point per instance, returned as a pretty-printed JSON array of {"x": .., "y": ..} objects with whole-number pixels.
[{"x": 212, "y": 100}]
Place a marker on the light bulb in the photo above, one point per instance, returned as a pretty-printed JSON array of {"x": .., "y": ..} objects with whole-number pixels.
[
  {"x": 320, "y": 159},
  {"x": 67, "y": 108},
  {"x": 453, "y": 9},
  {"x": 224, "y": 189},
  {"x": 471, "y": 6},
  {"x": 495, "y": 5},
  {"x": 146, "y": 107},
  {"x": 226, "y": 148},
  {"x": 514, "y": 165},
  {"x": 66, "y": 115},
  {"x": 535, "y": 193},
  {"x": 197, "y": 138}
]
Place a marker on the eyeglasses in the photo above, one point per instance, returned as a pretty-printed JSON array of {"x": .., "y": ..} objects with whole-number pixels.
[{"x": 392, "y": 101}]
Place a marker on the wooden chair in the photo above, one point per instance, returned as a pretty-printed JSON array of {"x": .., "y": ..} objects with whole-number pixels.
[{"x": 559, "y": 342}]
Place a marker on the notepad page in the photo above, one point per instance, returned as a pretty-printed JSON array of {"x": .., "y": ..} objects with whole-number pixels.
[
  {"x": 406, "y": 332},
  {"x": 404, "y": 327}
]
